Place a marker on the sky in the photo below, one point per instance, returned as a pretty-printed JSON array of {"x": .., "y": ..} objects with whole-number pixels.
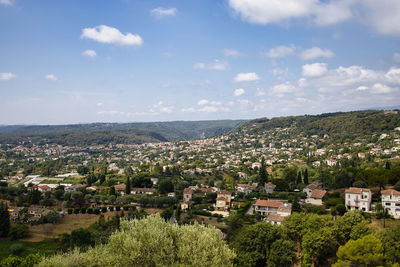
[{"x": 73, "y": 61}]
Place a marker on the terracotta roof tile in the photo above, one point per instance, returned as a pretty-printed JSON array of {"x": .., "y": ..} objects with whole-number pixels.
[
  {"x": 318, "y": 193},
  {"x": 390, "y": 192},
  {"x": 269, "y": 203}
]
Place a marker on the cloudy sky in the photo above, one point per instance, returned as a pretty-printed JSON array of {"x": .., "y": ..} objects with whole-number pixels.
[{"x": 132, "y": 60}]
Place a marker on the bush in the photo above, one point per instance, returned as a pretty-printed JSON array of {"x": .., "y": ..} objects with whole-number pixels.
[
  {"x": 341, "y": 209},
  {"x": 111, "y": 208},
  {"x": 70, "y": 211},
  {"x": 125, "y": 208},
  {"x": 360, "y": 184},
  {"x": 19, "y": 231},
  {"x": 96, "y": 211},
  {"x": 76, "y": 211},
  {"x": 103, "y": 209},
  {"x": 16, "y": 249},
  {"x": 90, "y": 211},
  {"x": 117, "y": 208},
  {"x": 83, "y": 210}
]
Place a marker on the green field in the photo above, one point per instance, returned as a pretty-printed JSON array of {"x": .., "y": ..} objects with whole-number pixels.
[{"x": 45, "y": 247}]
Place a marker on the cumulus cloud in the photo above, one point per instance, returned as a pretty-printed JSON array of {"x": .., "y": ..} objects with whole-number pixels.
[
  {"x": 280, "y": 51},
  {"x": 5, "y": 76},
  {"x": 239, "y": 92},
  {"x": 161, "y": 12},
  {"x": 110, "y": 35},
  {"x": 314, "y": 70},
  {"x": 316, "y": 52},
  {"x": 246, "y": 77},
  {"x": 51, "y": 77},
  {"x": 231, "y": 52},
  {"x": 202, "y": 102},
  {"x": 89, "y": 53},
  {"x": 216, "y": 65},
  {"x": 211, "y": 106},
  {"x": 381, "y": 16},
  {"x": 191, "y": 110},
  {"x": 6, "y": 2}
]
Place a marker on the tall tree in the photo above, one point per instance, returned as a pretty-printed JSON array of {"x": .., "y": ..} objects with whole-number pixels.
[
  {"x": 4, "y": 220},
  {"x": 299, "y": 180},
  {"x": 128, "y": 185},
  {"x": 263, "y": 173},
  {"x": 305, "y": 176}
]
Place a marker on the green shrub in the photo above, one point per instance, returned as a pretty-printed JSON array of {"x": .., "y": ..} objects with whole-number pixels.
[
  {"x": 19, "y": 231},
  {"x": 16, "y": 249}
]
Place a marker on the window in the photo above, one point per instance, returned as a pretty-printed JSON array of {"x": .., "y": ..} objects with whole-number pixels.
[
  {"x": 387, "y": 204},
  {"x": 397, "y": 204}
]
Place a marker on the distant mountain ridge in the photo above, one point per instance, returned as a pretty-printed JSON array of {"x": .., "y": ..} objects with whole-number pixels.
[{"x": 123, "y": 133}]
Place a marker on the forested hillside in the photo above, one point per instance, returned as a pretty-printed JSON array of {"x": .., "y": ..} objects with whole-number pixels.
[
  {"x": 340, "y": 125},
  {"x": 117, "y": 133}
]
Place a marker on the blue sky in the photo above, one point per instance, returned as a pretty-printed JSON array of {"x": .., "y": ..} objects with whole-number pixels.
[{"x": 133, "y": 60}]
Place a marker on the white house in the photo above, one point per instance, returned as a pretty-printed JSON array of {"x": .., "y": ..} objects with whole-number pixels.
[
  {"x": 265, "y": 207},
  {"x": 391, "y": 202},
  {"x": 358, "y": 199}
]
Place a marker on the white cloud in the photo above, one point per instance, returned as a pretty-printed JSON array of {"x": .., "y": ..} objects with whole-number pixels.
[
  {"x": 280, "y": 51},
  {"x": 382, "y": 16},
  {"x": 316, "y": 52},
  {"x": 283, "y": 88},
  {"x": 89, "y": 53},
  {"x": 202, "y": 102},
  {"x": 314, "y": 70},
  {"x": 6, "y": 2},
  {"x": 279, "y": 71},
  {"x": 362, "y": 88},
  {"x": 396, "y": 57},
  {"x": 231, "y": 52},
  {"x": 239, "y": 92},
  {"x": 51, "y": 77},
  {"x": 259, "y": 92},
  {"x": 161, "y": 12},
  {"x": 110, "y": 35},
  {"x": 191, "y": 110},
  {"x": 379, "y": 88},
  {"x": 216, "y": 65},
  {"x": 246, "y": 77},
  {"x": 213, "y": 109},
  {"x": 162, "y": 108},
  {"x": 5, "y": 76}
]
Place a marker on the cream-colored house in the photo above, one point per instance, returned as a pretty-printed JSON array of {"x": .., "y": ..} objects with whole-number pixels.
[
  {"x": 265, "y": 207},
  {"x": 391, "y": 202},
  {"x": 316, "y": 197},
  {"x": 358, "y": 199}
]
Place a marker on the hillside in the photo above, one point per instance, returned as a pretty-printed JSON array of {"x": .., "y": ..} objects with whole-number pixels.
[
  {"x": 340, "y": 125},
  {"x": 122, "y": 133}
]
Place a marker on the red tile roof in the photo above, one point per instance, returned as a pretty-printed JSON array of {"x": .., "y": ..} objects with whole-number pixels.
[
  {"x": 356, "y": 190},
  {"x": 268, "y": 203},
  {"x": 390, "y": 192},
  {"x": 224, "y": 192},
  {"x": 318, "y": 193},
  {"x": 274, "y": 217},
  {"x": 188, "y": 191}
]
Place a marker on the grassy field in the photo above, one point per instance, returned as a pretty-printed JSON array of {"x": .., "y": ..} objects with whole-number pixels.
[
  {"x": 390, "y": 223},
  {"x": 46, "y": 247}
]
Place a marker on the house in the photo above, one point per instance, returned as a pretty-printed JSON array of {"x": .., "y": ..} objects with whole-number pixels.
[
  {"x": 44, "y": 188},
  {"x": 186, "y": 205},
  {"x": 244, "y": 188},
  {"x": 391, "y": 202},
  {"x": 172, "y": 194},
  {"x": 36, "y": 213},
  {"x": 269, "y": 187},
  {"x": 275, "y": 218},
  {"x": 225, "y": 194},
  {"x": 264, "y": 207},
  {"x": 143, "y": 191},
  {"x": 310, "y": 188},
  {"x": 220, "y": 203},
  {"x": 120, "y": 188},
  {"x": 316, "y": 197},
  {"x": 73, "y": 188},
  {"x": 154, "y": 180},
  {"x": 187, "y": 194},
  {"x": 358, "y": 199},
  {"x": 97, "y": 188}
]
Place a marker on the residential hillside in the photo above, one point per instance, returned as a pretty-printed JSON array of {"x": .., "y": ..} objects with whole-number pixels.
[
  {"x": 339, "y": 125},
  {"x": 115, "y": 133}
]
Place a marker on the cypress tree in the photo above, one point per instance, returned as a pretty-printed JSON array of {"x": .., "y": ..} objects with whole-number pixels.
[
  {"x": 4, "y": 220},
  {"x": 306, "y": 176},
  {"x": 263, "y": 173},
  {"x": 298, "y": 181},
  {"x": 128, "y": 186}
]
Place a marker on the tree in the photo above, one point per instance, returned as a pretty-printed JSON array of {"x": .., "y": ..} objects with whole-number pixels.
[
  {"x": 4, "y": 220},
  {"x": 305, "y": 176},
  {"x": 187, "y": 245},
  {"x": 296, "y": 207},
  {"x": 281, "y": 253},
  {"x": 388, "y": 165},
  {"x": 263, "y": 173},
  {"x": 298, "y": 181},
  {"x": 112, "y": 191},
  {"x": 19, "y": 231},
  {"x": 256, "y": 244},
  {"x": 128, "y": 186},
  {"x": 81, "y": 237},
  {"x": 165, "y": 186},
  {"x": 366, "y": 251},
  {"x": 318, "y": 245},
  {"x": 391, "y": 242}
]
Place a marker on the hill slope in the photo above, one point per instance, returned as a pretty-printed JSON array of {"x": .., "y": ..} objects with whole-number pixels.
[{"x": 126, "y": 133}]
